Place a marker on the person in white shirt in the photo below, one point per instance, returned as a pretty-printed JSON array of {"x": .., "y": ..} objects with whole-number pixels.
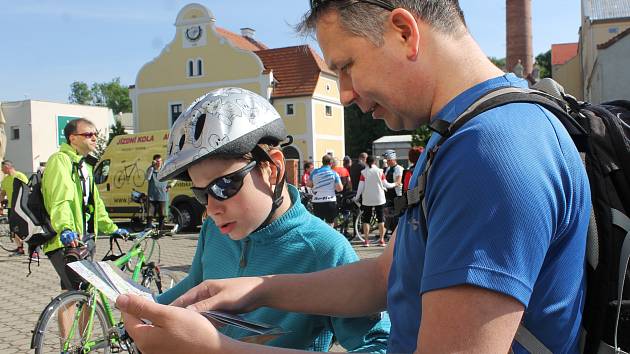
[{"x": 372, "y": 186}]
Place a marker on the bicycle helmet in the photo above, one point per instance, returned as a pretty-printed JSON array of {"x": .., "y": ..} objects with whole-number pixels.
[
  {"x": 225, "y": 122},
  {"x": 229, "y": 122}
]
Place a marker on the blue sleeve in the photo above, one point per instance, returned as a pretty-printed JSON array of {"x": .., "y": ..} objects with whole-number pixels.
[
  {"x": 367, "y": 334},
  {"x": 337, "y": 178},
  {"x": 194, "y": 277},
  {"x": 492, "y": 208}
]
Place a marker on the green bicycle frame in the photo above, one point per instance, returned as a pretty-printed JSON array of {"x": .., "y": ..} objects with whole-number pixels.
[{"x": 135, "y": 252}]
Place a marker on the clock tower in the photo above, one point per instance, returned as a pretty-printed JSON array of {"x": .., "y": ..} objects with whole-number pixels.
[{"x": 193, "y": 24}]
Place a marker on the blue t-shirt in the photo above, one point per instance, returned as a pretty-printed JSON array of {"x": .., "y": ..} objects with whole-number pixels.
[
  {"x": 508, "y": 206},
  {"x": 324, "y": 181}
]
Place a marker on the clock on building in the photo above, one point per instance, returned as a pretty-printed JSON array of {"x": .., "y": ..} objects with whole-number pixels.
[{"x": 193, "y": 33}]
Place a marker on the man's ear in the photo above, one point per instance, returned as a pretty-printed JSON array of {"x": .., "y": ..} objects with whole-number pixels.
[
  {"x": 278, "y": 158},
  {"x": 405, "y": 27}
]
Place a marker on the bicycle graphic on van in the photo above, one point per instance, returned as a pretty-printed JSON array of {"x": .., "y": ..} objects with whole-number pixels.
[{"x": 127, "y": 173}]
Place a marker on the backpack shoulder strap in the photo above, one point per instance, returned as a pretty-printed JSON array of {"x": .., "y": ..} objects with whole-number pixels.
[{"x": 492, "y": 99}]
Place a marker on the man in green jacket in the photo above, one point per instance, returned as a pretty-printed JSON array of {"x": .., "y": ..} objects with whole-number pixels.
[
  {"x": 71, "y": 199},
  {"x": 10, "y": 173},
  {"x": 74, "y": 205}
]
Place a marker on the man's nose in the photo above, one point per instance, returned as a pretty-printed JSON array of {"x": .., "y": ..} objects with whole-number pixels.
[{"x": 346, "y": 92}]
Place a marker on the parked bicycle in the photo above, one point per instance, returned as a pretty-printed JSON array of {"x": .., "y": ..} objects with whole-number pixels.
[
  {"x": 94, "y": 327},
  {"x": 6, "y": 242},
  {"x": 388, "y": 216},
  {"x": 347, "y": 213}
]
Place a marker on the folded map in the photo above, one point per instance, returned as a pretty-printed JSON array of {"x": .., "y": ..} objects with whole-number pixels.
[{"x": 112, "y": 282}]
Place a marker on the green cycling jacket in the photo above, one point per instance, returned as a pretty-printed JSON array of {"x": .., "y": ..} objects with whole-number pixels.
[{"x": 63, "y": 197}]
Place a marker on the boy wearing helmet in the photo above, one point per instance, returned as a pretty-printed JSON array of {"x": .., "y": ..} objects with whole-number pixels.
[{"x": 226, "y": 143}]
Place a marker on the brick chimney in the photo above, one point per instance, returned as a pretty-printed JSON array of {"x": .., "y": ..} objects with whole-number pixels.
[{"x": 519, "y": 35}]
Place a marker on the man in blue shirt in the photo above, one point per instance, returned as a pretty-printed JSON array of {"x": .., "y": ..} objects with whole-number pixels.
[
  {"x": 507, "y": 201},
  {"x": 325, "y": 183}
]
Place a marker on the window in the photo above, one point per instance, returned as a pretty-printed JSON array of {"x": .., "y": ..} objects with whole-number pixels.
[
  {"x": 15, "y": 133},
  {"x": 191, "y": 68},
  {"x": 101, "y": 172},
  {"x": 176, "y": 110},
  {"x": 289, "y": 109},
  {"x": 199, "y": 67},
  {"x": 328, "y": 111},
  {"x": 195, "y": 67}
]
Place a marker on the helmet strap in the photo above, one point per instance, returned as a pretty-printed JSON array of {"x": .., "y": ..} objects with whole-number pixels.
[{"x": 277, "y": 198}]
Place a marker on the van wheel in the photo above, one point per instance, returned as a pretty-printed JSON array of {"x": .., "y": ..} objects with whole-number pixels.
[{"x": 183, "y": 215}]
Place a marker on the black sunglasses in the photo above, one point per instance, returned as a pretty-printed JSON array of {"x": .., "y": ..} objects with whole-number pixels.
[
  {"x": 89, "y": 135},
  {"x": 224, "y": 187},
  {"x": 316, "y": 4}
]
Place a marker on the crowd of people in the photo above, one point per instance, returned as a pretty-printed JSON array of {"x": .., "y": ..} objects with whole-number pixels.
[{"x": 373, "y": 188}]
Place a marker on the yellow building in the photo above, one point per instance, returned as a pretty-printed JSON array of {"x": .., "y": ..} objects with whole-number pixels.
[
  {"x": 595, "y": 69},
  {"x": 203, "y": 57}
]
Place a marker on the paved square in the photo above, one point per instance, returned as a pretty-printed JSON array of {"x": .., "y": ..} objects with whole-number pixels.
[{"x": 23, "y": 298}]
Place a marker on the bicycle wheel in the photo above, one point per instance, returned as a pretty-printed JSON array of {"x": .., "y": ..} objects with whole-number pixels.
[
  {"x": 159, "y": 281},
  {"x": 119, "y": 179},
  {"x": 47, "y": 337},
  {"x": 358, "y": 226},
  {"x": 137, "y": 178},
  {"x": 6, "y": 243}
]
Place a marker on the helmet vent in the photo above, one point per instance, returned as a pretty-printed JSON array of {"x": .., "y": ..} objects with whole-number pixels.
[
  {"x": 201, "y": 120},
  {"x": 182, "y": 140}
]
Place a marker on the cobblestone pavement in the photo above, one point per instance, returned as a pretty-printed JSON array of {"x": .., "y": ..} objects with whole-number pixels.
[{"x": 22, "y": 299}]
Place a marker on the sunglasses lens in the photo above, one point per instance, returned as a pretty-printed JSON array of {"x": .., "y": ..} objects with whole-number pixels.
[
  {"x": 201, "y": 195},
  {"x": 226, "y": 188}
]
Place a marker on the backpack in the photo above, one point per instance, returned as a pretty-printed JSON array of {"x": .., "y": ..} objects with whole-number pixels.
[
  {"x": 29, "y": 217},
  {"x": 601, "y": 134}
]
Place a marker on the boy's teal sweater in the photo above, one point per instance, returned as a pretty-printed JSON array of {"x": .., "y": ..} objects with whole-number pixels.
[{"x": 297, "y": 242}]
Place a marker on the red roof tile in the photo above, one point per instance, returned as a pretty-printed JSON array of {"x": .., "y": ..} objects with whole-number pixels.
[
  {"x": 562, "y": 53},
  {"x": 296, "y": 69}
]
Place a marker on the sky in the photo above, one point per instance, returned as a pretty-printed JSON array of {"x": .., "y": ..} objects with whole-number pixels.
[{"x": 48, "y": 44}]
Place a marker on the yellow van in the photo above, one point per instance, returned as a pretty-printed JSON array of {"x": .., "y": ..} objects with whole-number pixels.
[{"x": 121, "y": 171}]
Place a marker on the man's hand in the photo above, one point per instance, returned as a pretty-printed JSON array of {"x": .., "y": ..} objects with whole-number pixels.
[
  {"x": 69, "y": 238},
  {"x": 234, "y": 295},
  {"x": 172, "y": 329}
]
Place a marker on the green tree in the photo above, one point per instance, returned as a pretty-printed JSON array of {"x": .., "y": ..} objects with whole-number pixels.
[
  {"x": 116, "y": 129},
  {"x": 544, "y": 64},
  {"x": 109, "y": 94},
  {"x": 361, "y": 130},
  {"x": 500, "y": 63},
  {"x": 420, "y": 136},
  {"x": 80, "y": 93},
  {"x": 101, "y": 144},
  {"x": 113, "y": 95}
]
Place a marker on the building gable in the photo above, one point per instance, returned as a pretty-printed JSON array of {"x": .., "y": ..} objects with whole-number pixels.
[{"x": 196, "y": 49}]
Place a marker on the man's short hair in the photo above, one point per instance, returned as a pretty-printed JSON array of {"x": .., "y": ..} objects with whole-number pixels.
[
  {"x": 157, "y": 156},
  {"x": 308, "y": 164},
  {"x": 71, "y": 127},
  {"x": 366, "y": 20},
  {"x": 7, "y": 163},
  {"x": 370, "y": 160},
  {"x": 326, "y": 160},
  {"x": 363, "y": 156}
]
